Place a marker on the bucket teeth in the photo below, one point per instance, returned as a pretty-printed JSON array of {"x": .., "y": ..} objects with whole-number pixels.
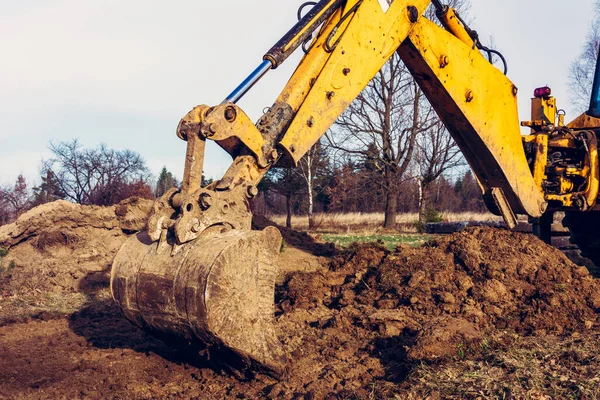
[{"x": 218, "y": 290}]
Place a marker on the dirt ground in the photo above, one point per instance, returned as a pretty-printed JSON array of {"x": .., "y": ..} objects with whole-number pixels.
[{"x": 485, "y": 313}]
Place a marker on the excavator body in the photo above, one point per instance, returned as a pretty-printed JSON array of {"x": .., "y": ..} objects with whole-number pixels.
[{"x": 199, "y": 274}]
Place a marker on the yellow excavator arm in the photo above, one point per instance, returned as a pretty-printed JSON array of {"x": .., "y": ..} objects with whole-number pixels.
[
  {"x": 199, "y": 272},
  {"x": 475, "y": 100}
]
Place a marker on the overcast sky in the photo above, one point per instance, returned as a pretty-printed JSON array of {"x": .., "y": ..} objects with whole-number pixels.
[{"x": 124, "y": 72}]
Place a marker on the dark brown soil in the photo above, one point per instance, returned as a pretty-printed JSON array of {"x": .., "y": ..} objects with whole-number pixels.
[{"x": 468, "y": 315}]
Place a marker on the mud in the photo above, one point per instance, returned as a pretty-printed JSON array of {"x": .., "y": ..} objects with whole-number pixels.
[{"x": 359, "y": 324}]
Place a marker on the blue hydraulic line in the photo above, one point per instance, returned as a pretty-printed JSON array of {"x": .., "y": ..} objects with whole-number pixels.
[{"x": 247, "y": 84}]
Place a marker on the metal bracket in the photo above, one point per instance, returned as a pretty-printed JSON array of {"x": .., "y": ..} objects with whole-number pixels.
[{"x": 231, "y": 128}]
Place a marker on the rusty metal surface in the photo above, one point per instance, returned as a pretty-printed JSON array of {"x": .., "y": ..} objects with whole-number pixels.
[
  {"x": 584, "y": 121},
  {"x": 219, "y": 289},
  {"x": 194, "y": 156}
]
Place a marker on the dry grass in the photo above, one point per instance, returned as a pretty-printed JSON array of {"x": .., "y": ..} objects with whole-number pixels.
[
  {"x": 516, "y": 367},
  {"x": 362, "y": 222},
  {"x": 40, "y": 305}
]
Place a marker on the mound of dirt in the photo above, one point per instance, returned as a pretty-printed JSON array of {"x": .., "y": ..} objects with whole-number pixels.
[
  {"x": 376, "y": 313},
  {"x": 51, "y": 248}
]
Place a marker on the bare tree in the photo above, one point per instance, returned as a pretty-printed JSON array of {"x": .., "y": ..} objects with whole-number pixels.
[
  {"x": 310, "y": 168},
  {"x": 89, "y": 176},
  {"x": 381, "y": 127},
  {"x": 14, "y": 201},
  {"x": 382, "y": 124},
  {"x": 582, "y": 69},
  {"x": 436, "y": 153}
]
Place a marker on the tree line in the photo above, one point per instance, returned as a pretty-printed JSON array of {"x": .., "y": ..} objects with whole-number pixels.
[
  {"x": 92, "y": 176},
  {"x": 323, "y": 184},
  {"x": 324, "y": 181}
]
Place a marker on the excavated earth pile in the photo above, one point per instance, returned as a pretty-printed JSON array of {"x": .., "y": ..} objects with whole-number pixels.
[
  {"x": 481, "y": 313},
  {"x": 57, "y": 250}
]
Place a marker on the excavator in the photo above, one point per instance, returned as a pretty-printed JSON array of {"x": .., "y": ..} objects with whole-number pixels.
[{"x": 200, "y": 274}]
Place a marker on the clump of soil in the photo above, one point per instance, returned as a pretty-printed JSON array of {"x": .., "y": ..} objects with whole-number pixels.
[{"x": 371, "y": 323}]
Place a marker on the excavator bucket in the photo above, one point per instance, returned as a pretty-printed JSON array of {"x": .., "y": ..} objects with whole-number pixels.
[{"x": 217, "y": 290}]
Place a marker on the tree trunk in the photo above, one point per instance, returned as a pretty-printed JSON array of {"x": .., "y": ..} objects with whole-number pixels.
[
  {"x": 391, "y": 206},
  {"x": 421, "y": 201},
  {"x": 309, "y": 182},
  {"x": 288, "y": 208}
]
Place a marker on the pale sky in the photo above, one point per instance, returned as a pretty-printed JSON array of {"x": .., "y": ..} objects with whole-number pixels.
[{"x": 124, "y": 72}]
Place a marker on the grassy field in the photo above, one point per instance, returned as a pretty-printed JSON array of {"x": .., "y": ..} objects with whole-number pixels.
[
  {"x": 368, "y": 222},
  {"x": 388, "y": 240}
]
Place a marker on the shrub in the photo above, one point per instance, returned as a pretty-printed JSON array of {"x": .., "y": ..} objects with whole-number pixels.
[{"x": 430, "y": 215}]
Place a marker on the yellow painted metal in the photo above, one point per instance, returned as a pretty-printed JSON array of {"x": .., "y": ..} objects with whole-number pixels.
[
  {"x": 194, "y": 157},
  {"x": 569, "y": 195},
  {"x": 246, "y": 168},
  {"x": 233, "y": 130},
  {"x": 565, "y": 199},
  {"x": 478, "y": 104},
  {"x": 369, "y": 40},
  {"x": 566, "y": 185},
  {"x": 451, "y": 22},
  {"x": 544, "y": 110},
  {"x": 584, "y": 121},
  {"x": 505, "y": 209},
  {"x": 565, "y": 142},
  {"x": 311, "y": 65},
  {"x": 307, "y": 27},
  {"x": 534, "y": 125},
  {"x": 194, "y": 161},
  {"x": 593, "y": 187},
  {"x": 243, "y": 170}
]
